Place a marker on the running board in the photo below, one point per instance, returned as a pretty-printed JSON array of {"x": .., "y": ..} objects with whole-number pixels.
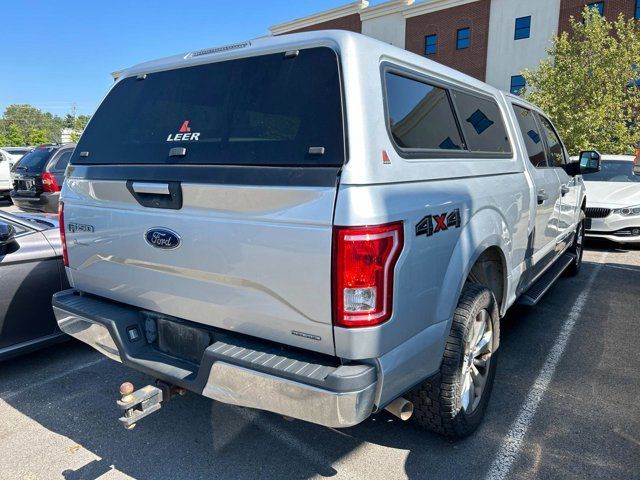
[{"x": 546, "y": 281}]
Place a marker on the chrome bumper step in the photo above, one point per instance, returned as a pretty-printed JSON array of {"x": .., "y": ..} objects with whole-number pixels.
[{"x": 234, "y": 369}]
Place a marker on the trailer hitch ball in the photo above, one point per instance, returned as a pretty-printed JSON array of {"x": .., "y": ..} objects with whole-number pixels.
[
  {"x": 138, "y": 404},
  {"x": 126, "y": 389}
]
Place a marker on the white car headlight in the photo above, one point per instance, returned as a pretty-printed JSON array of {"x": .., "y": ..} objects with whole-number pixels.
[{"x": 628, "y": 211}]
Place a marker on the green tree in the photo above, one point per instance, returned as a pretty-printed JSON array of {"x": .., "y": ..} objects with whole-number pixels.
[
  {"x": 37, "y": 136},
  {"x": 14, "y": 136},
  {"x": 589, "y": 84},
  {"x": 25, "y": 124}
]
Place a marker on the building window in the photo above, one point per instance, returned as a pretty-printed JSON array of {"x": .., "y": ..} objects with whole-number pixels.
[
  {"x": 448, "y": 144},
  {"x": 597, "y": 6},
  {"x": 523, "y": 28},
  {"x": 637, "y": 9},
  {"x": 462, "y": 39},
  {"x": 517, "y": 84},
  {"x": 479, "y": 121},
  {"x": 533, "y": 135},
  {"x": 430, "y": 44}
]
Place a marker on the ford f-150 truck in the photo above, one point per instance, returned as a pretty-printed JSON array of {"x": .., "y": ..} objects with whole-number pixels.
[{"x": 319, "y": 225}]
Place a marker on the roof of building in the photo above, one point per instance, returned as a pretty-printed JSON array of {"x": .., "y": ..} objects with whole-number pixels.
[
  {"x": 408, "y": 8},
  {"x": 320, "y": 17}
]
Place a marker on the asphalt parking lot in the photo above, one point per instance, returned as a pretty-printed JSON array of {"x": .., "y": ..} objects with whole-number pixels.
[{"x": 565, "y": 405}]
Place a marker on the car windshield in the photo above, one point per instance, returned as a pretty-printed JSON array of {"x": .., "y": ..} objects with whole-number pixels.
[
  {"x": 613, "y": 171},
  {"x": 36, "y": 160}
]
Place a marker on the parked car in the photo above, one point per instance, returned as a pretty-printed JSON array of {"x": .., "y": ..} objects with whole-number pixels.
[
  {"x": 31, "y": 270},
  {"x": 5, "y": 174},
  {"x": 17, "y": 152},
  {"x": 38, "y": 177},
  {"x": 320, "y": 225},
  {"x": 613, "y": 210}
]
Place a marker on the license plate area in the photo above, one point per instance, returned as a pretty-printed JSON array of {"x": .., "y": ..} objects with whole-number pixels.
[
  {"x": 25, "y": 186},
  {"x": 176, "y": 338}
]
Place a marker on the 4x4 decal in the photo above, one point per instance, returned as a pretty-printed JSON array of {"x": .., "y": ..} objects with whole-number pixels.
[{"x": 437, "y": 223}]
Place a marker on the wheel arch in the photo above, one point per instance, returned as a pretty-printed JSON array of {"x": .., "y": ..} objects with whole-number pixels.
[{"x": 484, "y": 244}]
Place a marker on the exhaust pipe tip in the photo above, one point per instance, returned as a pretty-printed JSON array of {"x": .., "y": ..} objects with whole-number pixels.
[{"x": 401, "y": 408}]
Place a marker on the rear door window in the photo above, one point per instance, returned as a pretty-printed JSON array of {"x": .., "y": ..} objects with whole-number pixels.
[
  {"x": 62, "y": 161},
  {"x": 420, "y": 115},
  {"x": 555, "y": 151},
  {"x": 481, "y": 123},
  {"x": 264, "y": 110},
  {"x": 531, "y": 135}
]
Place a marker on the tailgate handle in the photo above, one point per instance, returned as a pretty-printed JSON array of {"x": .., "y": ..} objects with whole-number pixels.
[
  {"x": 151, "y": 188},
  {"x": 156, "y": 195}
]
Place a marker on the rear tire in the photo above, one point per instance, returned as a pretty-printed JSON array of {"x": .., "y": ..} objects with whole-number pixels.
[
  {"x": 453, "y": 402},
  {"x": 577, "y": 249}
]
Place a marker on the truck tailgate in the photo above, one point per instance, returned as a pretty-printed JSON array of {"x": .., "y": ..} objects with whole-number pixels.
[{"x": 256, "y": 260}]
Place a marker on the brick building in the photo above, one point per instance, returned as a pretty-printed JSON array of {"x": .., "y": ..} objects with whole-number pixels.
[{"x": 492, "y": 40}]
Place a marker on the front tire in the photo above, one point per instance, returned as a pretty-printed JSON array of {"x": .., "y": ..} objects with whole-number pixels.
[
  {"x": 453, "y": 402},
  {"x": 577, "y": 249}
]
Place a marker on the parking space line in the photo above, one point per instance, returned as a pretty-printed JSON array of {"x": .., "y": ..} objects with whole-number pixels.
[
  {"x": 512, "y": 443},
  {"x": 8, "y": 395}
]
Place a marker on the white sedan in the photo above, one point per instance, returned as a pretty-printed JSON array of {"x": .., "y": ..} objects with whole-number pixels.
[
  {"x": 6, "y": 163},
  {"x": 613, "y": 200}
]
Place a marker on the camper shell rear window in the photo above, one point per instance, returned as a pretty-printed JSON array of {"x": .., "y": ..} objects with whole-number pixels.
[{"x": 270, "y": 110}]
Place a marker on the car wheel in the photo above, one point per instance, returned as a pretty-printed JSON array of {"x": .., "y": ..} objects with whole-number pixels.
[
  {"x": 453, "y": 402},
  {"x": 577, "y": 249}
]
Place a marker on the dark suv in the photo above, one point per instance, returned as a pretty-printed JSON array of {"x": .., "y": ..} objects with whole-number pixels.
[{"x": 38, "y": 177}]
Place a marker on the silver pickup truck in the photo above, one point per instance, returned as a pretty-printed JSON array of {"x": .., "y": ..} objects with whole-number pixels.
[{"x": 319, "y": 225}]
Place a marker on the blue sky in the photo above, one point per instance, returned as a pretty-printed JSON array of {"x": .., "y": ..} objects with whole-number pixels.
[{"x": 57, "y": 53}]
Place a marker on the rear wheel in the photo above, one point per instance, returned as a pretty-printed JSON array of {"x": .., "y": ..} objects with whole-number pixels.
[
  {"x": 577, "y": 249},
  {"x": 453, "y": 402}
]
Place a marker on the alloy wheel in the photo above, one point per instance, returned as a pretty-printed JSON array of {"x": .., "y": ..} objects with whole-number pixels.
[{"x": 475, "y": 369}]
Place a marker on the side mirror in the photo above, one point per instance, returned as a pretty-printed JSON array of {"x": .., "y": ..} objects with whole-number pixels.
[
  {"x": 589, "y": 161},
  {"x": 7, "y": 236}
]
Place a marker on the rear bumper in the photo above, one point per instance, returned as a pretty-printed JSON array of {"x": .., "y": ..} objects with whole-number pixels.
[
  {"x": 233, "y": 369},
  {"x": 45, "y": 202}
]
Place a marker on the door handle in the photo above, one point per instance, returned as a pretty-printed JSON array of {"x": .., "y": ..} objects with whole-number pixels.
[
  {"x": 151, "y": 188},
  {"x": 542, "y": 196},
  {"x": 564, "y": 190}
]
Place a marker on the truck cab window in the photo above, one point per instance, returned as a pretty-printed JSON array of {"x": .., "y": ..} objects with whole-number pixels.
[
  {"x": 555, "y": 150},
  {"x": 531, "y": 136}
]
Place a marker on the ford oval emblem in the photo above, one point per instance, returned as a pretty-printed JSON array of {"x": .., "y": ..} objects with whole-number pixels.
[{"x": 162, "y": 238}]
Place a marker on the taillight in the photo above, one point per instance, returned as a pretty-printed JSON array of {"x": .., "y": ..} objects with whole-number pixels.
[
  {"x": 364, "y": 259},
  {"x": 63, "y": 235},
  {"x": 49, "y": 183}
]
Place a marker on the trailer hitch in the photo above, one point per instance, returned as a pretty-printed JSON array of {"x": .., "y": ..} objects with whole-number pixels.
[{"x": 143, "y": 402}]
